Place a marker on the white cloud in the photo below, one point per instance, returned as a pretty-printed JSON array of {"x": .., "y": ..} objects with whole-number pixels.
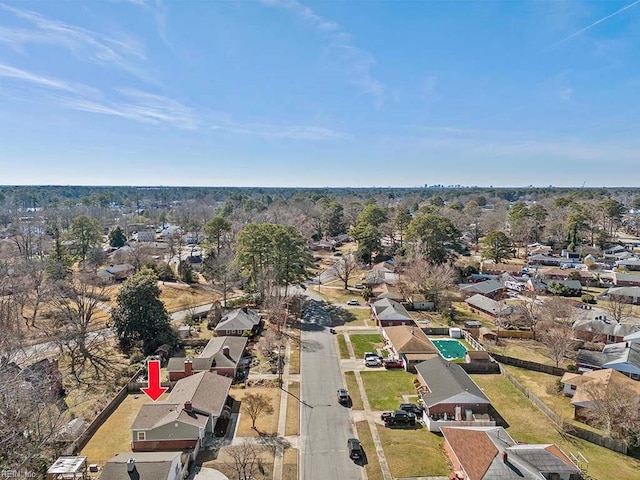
[
  {"x": 356, "y": 62},
  {"x": 122, "y": 52},
  {"x": 16, "y": 73}
]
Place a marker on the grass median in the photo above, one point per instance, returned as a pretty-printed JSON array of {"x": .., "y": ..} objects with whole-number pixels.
[
  {"x": 372, "y": 467},
  {"x": 292, "y": 426},
  {"x": 354, "y": 391},
  {"x": 342, "y": 347}
]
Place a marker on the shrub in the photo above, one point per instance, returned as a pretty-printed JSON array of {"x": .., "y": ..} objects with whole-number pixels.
[{"x": 586, "y": 298}]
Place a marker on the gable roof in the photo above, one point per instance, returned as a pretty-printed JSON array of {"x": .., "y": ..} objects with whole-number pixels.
[
  {"x": 488, "y": 286},
  {"x": 239, "y": 319},
  {"x": 489, "y": 305},
  {"x": 212, "y": 355},
  {"x": 206, "y": 391},
  {"x": 599, "y": 381},
  {"x": 409, "y": 339},
  {"x": 605, "y": 327},
  {"x": 480, "y": 451},
  {"x": 448, "y": 382},
  {"x": 152, "y": 415},
  {"x": 387, "y": 309},
  {"x": 154, "y": 465},
  {"x": 624, "y": 357}
]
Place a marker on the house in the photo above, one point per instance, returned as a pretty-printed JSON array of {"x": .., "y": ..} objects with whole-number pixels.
[
  {"x": 489, "y": 288},
  {"x": 623, "y": 357},
  {"x": 632, "y": 264},
  {"x": 116, "y": 273},
  {"x": 539, "y": 248},
  {"x": 383, "y": 272},
  {"x": 450, "y": 397},
  {"x": 625, "y": 294},
  {"x": 488, "y": 307},
  {"x": 548, "y": 260},
  {"x": 602, "y": 330},
  {"x": 388, "y": 313},
  {"x": 221, "y": 355},
  {"x": 592, "y": 386},
  {"x": 420, "y": 303},
  {"x": 188, "y": 414},
  {"x": 490, "y": 268},
  {"x": 145, "y": 236},
  {"x": 615, "y": 249},
  {"x": 621, "y": 279},
  {"x": 385, "y": 291},
  {"x": 410, "y": 344},
  {"x": 241, "y": 321},
  {"x": 489, "y": 453},
  {"x": 584, "y": 276},
  {"x": 66, "y": 468},
  {"x": 142, "y": 465}
]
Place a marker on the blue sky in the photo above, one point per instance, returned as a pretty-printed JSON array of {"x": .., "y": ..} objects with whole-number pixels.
[{"x": 288, "y": 93}]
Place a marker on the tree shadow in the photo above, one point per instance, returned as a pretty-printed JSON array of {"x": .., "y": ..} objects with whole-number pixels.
[
  {"x": 340, "y": 316},
  {"x": 272, "y": 440}
]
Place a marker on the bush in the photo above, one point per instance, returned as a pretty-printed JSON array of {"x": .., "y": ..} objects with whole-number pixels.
[
  {"x": 571, "y": 367},
  {"x": 586, "y": 298}
]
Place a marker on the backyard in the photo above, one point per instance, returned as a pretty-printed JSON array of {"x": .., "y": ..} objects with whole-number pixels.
[
  {"x": 530, "y": 425},
  {"x": 385, "y": 389}
]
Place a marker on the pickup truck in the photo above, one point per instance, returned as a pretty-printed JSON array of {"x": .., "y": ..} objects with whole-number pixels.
[{"x": 398, "y": 417}]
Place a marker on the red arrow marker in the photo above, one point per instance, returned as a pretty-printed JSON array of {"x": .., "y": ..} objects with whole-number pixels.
[{"x": 154, "y": 390}]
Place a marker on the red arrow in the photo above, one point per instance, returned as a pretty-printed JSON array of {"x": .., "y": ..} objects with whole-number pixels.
[{"x": 154, "y": 390}]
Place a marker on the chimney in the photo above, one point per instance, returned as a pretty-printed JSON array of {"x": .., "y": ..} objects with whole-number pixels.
[
  {"x": 188, "y": 368},
  {"x": 225, "y": 351},
  {"x": 131, "y": 465},
  {"x": 505, "y": 457},
  {"x": 187, "y": 406}
]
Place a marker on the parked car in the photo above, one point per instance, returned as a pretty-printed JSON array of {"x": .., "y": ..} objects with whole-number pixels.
[
  {"x": 353, "y": 301},
  {"x": 393, "y": 363},
  {"x": 411, "y": 407},
  {"x": 398, "y": 417},
  {"x": 355, "y": 449},
  {"x": 332, "y": 330},
  {"x": 343, "y": 396},
  {"x": 359, "y": 286},
  {"x": 372, "y": 354},
  {"x": 372, "y": 362}
]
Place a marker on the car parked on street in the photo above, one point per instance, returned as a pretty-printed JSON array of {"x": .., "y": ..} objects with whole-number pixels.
[
  {"x": 343, "y": 396},
  {"x": 355, "y": 449}
]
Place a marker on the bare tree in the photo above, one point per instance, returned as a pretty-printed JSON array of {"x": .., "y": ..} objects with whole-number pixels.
[
  {"x": 34, "y": 290},
  {"x": 74, "y": 308},
  {"x": 617, "y": 308},
  {"x": 246, "y": 459},
  {"x": 269, "y": 342},
  {"x": 556, "y": 331},
  {"x": 615, "y": 409},
  {"x": 430, "y": 280},
  {"x": 256, "y": 405},
  {"x": 344, "y": 268},
  {"x": 529, "y": 312}
]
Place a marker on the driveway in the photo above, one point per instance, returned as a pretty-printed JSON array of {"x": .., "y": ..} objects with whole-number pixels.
[{"x": 325, "y": 425}]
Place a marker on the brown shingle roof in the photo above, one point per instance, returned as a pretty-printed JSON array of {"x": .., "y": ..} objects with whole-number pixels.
[
  {"x": 206, "y": 391},
  {"x": 408, "y": 339},
  {"x": 474, "y": 450}
]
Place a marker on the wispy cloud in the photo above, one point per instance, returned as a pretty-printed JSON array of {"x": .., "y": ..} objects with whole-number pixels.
[
  {"x": 597, "y": 22},
  {"x": 357, "y": 62},
  {"x": 120, "y": 51},
  {"x": 12, "y": 72},
  {"x": 276, "y": 132}
]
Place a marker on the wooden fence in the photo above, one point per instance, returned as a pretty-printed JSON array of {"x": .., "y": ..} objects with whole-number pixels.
[
  {"x": 528, "y": 365},
  {"x": 436, "y": 330}
]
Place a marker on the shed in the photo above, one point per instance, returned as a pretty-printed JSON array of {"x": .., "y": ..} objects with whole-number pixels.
[
  {"x": 487, "y": 335},
  {"x": 68, "y": 468},
  {"x": 455, "y": 332}
]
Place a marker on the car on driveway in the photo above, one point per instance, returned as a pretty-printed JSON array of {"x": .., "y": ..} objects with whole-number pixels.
[
  {"x": 353, "y": 302},
  {"x": 343, "y": 396},
  {"x": 398, "y": 417},
  {"x": 393, "y": 363},
  {"x": 332, "y": 330},
  {"x": 411, "y": 407},
  {"x": 355, "y": 449},
  {"x": 372, "y": 362}
]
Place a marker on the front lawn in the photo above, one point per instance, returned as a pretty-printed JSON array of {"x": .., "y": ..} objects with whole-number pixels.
[
  {"x": 342, "y": 346},
  {"x": 385, "y": 388},
  {"x": 372, "y": 467},
  {"x": 354, "y": 392},
  {"x": 530, "y": 425},
  {"x": 266, "y": 424},
  {"x": 365, "y": 342},
  {"x": 414, "y": 453}
]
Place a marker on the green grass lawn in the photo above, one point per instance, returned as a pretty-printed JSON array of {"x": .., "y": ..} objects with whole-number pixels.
[
  {"x": 354, "y": 392},
  {"x": 530, "y": 425},
  {"x": 342, "y": 346},
  {"x": 414, "y": 453},
  {"x": 372, "y": 466},
  {"x": 361, "y": 316},
  {"x": 365, "y": 342},
  {"x": 385, "y": 388}
]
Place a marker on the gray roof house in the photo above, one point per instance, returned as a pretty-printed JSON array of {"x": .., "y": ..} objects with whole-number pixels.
[
  {"x": 113, "y": 273},
  {"x": 182, "y": 420},
  {"x": 488, "y": 307},
  {"x": 143, "y": 465},
  {"x": 624, "y": 294},
  {"x": 597, "y": 330},
  {"x": 450, "y": 397},
  {"x": 221, "y": 355},
  {"x": 623, "y": 357},
  {"x": 241, "y": 321},
  {"x": 489, "y": 288},
  {"x": 389, "y": 313},
  {"x": 489, "y": 453}
]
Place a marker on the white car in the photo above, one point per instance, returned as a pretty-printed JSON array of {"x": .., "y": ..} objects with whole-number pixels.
[
  {"x": 353, "y": 302},
  {"x": 372, "y": 362}
]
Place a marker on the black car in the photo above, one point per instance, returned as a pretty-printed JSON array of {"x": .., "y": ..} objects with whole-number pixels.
[
  {"x": 354, "y": 448},
  {"x": 411, "y": 407},
  {"x": 343, "y": 396}
]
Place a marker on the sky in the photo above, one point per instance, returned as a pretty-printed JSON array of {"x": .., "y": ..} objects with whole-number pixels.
[{"x": 293, "y": 93}]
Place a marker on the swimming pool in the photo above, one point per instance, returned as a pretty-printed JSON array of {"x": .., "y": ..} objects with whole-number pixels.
[{"x": 450, "y": 348}]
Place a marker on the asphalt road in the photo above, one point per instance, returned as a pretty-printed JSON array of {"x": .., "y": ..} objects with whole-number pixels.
[{"x": 325, "y": 424}]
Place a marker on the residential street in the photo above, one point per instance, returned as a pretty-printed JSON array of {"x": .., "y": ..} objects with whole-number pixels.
[{"x": 325, "y": 425}]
